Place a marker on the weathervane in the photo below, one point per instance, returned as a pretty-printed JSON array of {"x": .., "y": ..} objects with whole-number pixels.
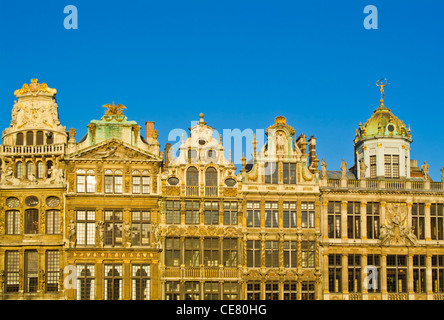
[{"x": 381, "y": 86}]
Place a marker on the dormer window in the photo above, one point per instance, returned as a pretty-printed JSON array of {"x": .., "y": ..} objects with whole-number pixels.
[
  {"x": 192, "y": 155},
  {"x": 271, "y": 173},
  {"x": 391, "y": 166},
  {"x": 211, "y": 154}
]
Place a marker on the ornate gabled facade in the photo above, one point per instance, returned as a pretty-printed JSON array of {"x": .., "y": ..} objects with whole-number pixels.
[
  {"x": 113, "y": 217},
  {"x": 281, "y": 225},
  {"x": 32, "y": 196},
  {"x": 201, "y": 220},
  {"x": 111, "y": 210}
]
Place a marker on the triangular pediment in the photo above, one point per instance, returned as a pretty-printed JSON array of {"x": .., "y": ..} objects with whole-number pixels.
[{"x": 114, "y": 149}]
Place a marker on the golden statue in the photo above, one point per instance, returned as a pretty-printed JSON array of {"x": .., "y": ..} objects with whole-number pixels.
[
  {"x": 114, "y": 110},
  {"x": 381, "y": 86}
]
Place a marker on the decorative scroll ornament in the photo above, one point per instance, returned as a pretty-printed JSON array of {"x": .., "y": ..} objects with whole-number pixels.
[
  {"x": 34, "y": 88},
  {"x": 395, "y": 231}
]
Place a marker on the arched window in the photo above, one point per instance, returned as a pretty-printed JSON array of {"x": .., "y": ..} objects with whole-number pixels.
[
  {"x": 19, "y": 139},
  {"x": 211, "y": 177},
  {"x": 29, "y": 169},
  {"x": 192, "y": 181},
  {"x": 39, "y": 169},
  {"x": 48, "y": 168},
  {"x": 49, "y": 138},
  {"x": 19, "y": 170},
  {"x": 29, "y": 138},
  {"x": 192, "y": 177},
  {"x": 39, "y": 138},
  {"x": 211, "y": 182}
]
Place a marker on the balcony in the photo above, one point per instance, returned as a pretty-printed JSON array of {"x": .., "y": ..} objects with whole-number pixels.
[
  {"x": 211, "y": 191},
  {"x": 48, "y": 149},
  {"x": 193, "y": 191},
  {"x": 408, "y": 185}
]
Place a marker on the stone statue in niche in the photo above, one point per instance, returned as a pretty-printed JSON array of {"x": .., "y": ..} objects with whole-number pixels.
[
  {"x": 72, "y": 233},
  {"x": 7, "y": 177},
  {"x": 280, "y": 142}
]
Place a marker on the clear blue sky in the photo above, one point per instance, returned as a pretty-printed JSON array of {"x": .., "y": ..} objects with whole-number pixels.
[{"x": 241, "y": 63}]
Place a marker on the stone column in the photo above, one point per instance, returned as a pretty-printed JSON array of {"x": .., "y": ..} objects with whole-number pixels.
[
  {"x": 364, "y": 221},
  {"x": 344, "y": 220},
  {"x": 99, "y": 281},
  {"x": 126, "y": 280},
  {"x": 325, "y": 277},
  {"x": 428, "y": 236},
  {"x": 429, "y": 280},
  {"x": 324, "y": 219},
  {"x": 410, "y": 287},
  {"x": 384, "y": 276},
  {"x": 364, "y": 276},
  {"x": 298, "y": 215},
  {"x": 345, "y": 293}
]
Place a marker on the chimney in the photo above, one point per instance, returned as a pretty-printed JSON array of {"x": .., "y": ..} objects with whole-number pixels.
[
  {"x": 149, "y": 129},
  {"x": 312, "y": 151}
]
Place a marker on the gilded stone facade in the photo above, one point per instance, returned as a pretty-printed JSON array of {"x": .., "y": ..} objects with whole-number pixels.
[{"x": 112, "y": 217}]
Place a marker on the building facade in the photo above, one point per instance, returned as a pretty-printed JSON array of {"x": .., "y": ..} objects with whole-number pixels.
[{"x": 112, "y": 217}]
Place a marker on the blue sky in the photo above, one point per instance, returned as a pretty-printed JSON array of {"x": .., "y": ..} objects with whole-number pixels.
[{"x": 241, "y": 63}]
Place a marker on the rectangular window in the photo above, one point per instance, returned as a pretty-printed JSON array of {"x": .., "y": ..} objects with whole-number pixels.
[
  {"x": 85, "y": 281},
  {"x": 192, "y": 212},
  {"x": 230, "y": 212},
  {"x": 391, "y": 166},
  {"x": 211, "y": 252},
  {"x": 13, "y": 222},
  {"x": 12, "y": 271},
  {"x": 334, "y": 220},
  {"x": 81, "y": 183},
  {"x": 373, "y": 223},
  {"x": 113, "y": 281},
  {"x": 141, "y": 281},
  {"x": 211, "y": 290},
  {"x": 289, "y": 214},
  {"x": 290, "y": 290},
  {"x": 419, "y": 273},
  {"x": 372, "y": 167},
  {"x": 271, "y": 214},
  {"x": 354, "y": 273},
  {"x": 308, "y": 254},
  {"x": 290, "y": 254},
  {"x": 335, "y": 273},
  {"x": 396, "y": 273},
  {"x": 31, "y": 221},
  {"x": 172, "y": 252},
  {"x": 52, "y": 222},
  {"x": 271, "y": 173},
  {"x": 395, "y": 166},
  {"x": 113, "y": 227},
  {"x": 418, "y": 220},
  {"x": 230, "y": 252},
  {"x": 253, "y": 214},
  {"x": 436, "y": 221},
  {"x": 86, "y": 227},
  {"x": 307, "y": 214},
  {"x": 374, "y": 285},
  {"x": 192, "y": 252},
  {"x": 230, "y": 290},
  {"x": 141, "y": 227},
  {"x": 52, "y": 270},
  {"x": 438, "y": 274},
  {"x": 172, "y": 212},
  {"x": 192, "y": 290},
  {"x": 141, "y": 184},
  {"x": 272, "y": 254},
  {"x": 90, "y": 184},
  {"x": 211, "y": 212},
  {"x": 172, "y": 290},
  {"x": 308, "y": 290},
  {"x": 253, "y": 290},
  {"x": 31, "y": 271},
  {"x": 272, "y": 290},
  {"x": 354, "y": 220},
  {"x": 289, "y": 173},
  {"x": 253, "y": 253}
]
